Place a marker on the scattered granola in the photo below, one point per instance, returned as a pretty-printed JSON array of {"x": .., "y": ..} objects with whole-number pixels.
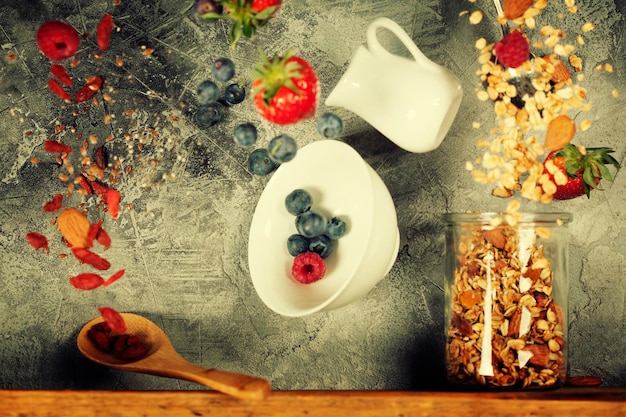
[{"x": 527, "y": 100}]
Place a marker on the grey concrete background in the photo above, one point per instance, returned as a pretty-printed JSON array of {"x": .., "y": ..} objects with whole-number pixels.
[{"x": 184, "y": 242}]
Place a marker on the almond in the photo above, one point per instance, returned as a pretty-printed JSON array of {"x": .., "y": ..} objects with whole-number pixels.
[
  {"x": 533, "y": 274},
  {"x": 541, "y": 355},
  {"x": 473, "y": 268},
  {"x": 462, "y": 325},
  {"x": 74, "y": 226},
  {"x": 560, "y": 132},
  {"x": 583, "y": 381},
  {"x": 514, "y": 324},
  {"x": 495, "y": 237},
  {"x": 515, "y": 8},
  {"x": 560, "y": 73}
]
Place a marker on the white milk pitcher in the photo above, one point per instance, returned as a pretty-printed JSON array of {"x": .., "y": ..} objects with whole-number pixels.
[{"x": 412, "y": 102}]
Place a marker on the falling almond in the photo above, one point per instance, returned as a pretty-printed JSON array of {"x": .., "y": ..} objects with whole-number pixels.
[
  {"x": 560, "y": 132},
  {"x": 560, "y": 72},
  {"x": 74, "y": 226}
]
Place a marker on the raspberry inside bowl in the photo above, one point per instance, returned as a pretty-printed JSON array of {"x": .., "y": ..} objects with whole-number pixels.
[{"x": 342, "y": 184}]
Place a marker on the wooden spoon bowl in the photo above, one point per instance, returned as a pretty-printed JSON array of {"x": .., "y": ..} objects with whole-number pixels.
[{"x": 161, "y": 359}]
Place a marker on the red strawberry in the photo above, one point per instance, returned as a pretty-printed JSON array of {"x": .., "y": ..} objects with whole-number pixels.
[
  {"x": 308, "y": 267},
  {"x": 285, "y": 89},
  {"x": 57, "y": 40},
  {"x": 259, "y": 6},
  {"x": 247, "y": 15},
  {"x": 576, "y": 172},
  {"x": 513, "y": 50}
]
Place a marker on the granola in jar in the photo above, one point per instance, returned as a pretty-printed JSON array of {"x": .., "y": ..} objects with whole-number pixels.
[{"x": 506, "y": 299}]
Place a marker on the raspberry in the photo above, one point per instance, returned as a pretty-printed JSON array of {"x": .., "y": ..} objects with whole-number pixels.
[
  {"x": 513, "y": 50},
  {"x": 308, "y": 267},
  {"x": 57, "y": 40}
]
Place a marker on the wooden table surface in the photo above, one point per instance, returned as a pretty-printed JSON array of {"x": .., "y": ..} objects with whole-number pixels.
[{"x": 579, "y": 402}]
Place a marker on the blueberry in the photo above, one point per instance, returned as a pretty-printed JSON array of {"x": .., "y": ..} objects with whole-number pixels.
[
  {"x": 259, "y": 162},
  {"x": 298, "y": 201},
  {"x": 207, "y": 92},
  {"x": 330, "y": 125},
  {"x": 321, "y": 245},
  {"x": 207, "y": 115},
  {"x": 245, "y": 135},
  {"x": 297, "y": 244},
  {"x": 234, "y": 94},
  {"x": 207, "y": 6},
  {"x": 335, "y": 228},
  {"x": 310, "y": 223},
  {"x": 223, "y": 69},
  {"x": 282, "y": 149}
]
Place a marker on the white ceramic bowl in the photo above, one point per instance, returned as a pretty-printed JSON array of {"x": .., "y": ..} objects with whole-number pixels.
[{"x": 341, "y": 184}]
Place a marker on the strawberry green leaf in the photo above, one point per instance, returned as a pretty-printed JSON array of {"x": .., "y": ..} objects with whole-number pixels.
[
  {"x": 265, "y": 14},
  {"x": 235, "y": 34},
  {"x": 248, "y": 30},
  {"x": 604, "y": 172},
  {"x": 211, "y": 16}
]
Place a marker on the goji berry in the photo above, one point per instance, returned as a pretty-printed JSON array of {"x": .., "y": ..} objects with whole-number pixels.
[
  {"x": 103, "y": 238},
  {"x": 112, "y": 199},
  {"x": 57, "y": 89},
  {"x": 85, "y": 184},
  {"x": 89, "y": 90},
  {"x": 37, "y": 241},
  {"x": 94, "y": 229},
  {"x": 61, "y": 73},
  {"x": 103, "y": 33},
  {"x": 87, "y": 281},
  {"x": 99, "y": 188},
  {"x": 100, "y": 335},
  {"x": 119, "y": 274},
  {"x": 88, "y": 257},
  {"x": 134, "y": 351},
  {"x": 53, "y": 146},
  {"x": 53, "y": 205},
  {"x": 113, "y": 319},
  {"x": 102, "y": 159}
]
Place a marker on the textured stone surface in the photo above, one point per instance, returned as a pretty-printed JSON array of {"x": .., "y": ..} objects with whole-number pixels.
[{"x": 184, "y": 243}]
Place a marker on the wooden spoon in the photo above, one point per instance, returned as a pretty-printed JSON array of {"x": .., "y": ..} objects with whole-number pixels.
[{"x": 162, "y": 360}]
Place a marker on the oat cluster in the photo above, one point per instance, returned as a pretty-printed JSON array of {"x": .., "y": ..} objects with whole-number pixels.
[
  {"x": 525, "y": 101},
  {"x": 505, "y": 327}
]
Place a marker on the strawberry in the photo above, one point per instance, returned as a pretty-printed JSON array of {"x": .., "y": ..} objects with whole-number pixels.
[
  {"x": 247, "y": 15},
  {"x": 576, "y": 171},
  {"x": 513, "y": 50},
  {"x": 285, "y": 89},
  {"x": 259, "y": 6}
]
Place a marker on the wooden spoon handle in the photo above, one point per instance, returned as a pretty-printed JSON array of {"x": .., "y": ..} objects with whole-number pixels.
[{"x": 238, "y": 385}]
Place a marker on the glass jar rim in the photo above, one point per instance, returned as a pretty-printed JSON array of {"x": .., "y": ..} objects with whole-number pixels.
[{"x": 520, "y": 217}]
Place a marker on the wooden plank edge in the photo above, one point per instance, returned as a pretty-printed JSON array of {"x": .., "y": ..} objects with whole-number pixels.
[{"x": 578, "y": 402}]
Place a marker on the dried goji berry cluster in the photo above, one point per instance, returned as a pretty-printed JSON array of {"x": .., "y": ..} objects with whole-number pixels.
[{"x": 59, "y": 42}]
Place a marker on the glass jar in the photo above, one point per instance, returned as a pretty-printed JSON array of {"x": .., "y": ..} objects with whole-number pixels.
[{"x": 506, "y": 291}]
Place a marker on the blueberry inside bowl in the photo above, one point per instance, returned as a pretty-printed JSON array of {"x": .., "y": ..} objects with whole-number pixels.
[{"x": 342, "y": 185}]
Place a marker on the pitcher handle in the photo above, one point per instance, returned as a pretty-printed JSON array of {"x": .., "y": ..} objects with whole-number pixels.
[{"x": 386, "y": 23}]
